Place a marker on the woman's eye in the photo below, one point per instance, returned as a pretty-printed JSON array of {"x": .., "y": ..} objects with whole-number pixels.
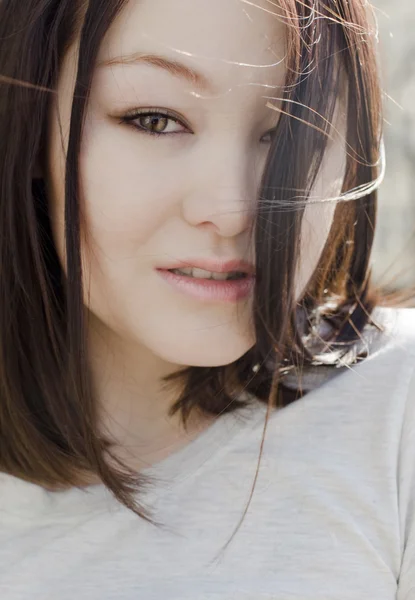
[
  {"x": 160, "y": 123},
  {"x": 155, "y": 123}
]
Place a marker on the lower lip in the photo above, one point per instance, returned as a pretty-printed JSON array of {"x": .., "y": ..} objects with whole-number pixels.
[{"x": 210, "y": 290}]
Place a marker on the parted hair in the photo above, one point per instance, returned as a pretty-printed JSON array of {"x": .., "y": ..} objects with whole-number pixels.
[{"x": 48, "y": 415}]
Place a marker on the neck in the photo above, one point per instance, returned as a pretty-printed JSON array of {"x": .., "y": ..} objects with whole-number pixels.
[{"x": 134, "y": 402}]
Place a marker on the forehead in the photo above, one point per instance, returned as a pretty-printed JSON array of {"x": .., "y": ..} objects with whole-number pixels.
[{"x": 228, "y": 42}]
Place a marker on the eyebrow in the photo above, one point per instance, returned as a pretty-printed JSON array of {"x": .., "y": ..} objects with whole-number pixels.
[{"x": 174, "y": 67}]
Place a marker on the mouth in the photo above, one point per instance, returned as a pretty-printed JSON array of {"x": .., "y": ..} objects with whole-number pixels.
[
  {"x": 211, "y": 281},
  {"x": 196, "y": 273}
]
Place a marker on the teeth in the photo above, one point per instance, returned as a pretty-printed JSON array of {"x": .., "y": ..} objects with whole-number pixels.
[
  {"x": 202, "y": 274},
  {"x": 220, "y": 276},
  {"x": 185, "y": 271}
]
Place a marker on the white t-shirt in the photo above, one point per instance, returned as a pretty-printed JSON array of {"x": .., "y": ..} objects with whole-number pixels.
[{"x": 332, "y": 516}]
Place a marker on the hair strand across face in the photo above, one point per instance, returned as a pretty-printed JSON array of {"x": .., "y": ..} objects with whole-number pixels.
[{"x": 48, "y": 416}]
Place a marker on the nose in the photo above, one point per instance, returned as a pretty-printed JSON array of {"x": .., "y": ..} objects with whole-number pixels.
[{"x": 222, "y": 195}]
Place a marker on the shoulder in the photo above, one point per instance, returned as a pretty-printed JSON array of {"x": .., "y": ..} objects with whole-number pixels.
[
  {"x": 400, "y": 349},
  {"x": 393, "y": 353},
  {"x": 388, "y": 370},
  {"x": 366, "y": 400},
  {"x": 399, "y": 324},
  {"x": 386, "y": 346},
  {"x": 353, "y": 429}
]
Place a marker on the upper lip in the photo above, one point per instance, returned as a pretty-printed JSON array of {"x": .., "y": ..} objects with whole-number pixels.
[{"x": 214, "y": 265}]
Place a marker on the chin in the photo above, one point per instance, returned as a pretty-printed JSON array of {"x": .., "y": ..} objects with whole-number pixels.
[{"x": 204, "y": 352}]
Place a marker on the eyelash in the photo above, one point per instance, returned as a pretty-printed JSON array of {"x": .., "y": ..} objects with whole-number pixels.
[{"x": 130, "y": 118}]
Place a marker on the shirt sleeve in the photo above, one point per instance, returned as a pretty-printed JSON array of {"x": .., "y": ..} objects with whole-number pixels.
[{"x": 406, "y": 496}]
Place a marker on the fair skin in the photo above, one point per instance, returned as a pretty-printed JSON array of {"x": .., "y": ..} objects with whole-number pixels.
[{"x": 147, "y": 200}]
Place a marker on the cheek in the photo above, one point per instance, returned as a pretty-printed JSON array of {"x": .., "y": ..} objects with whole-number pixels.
[
  {"x": 125, "y": 201},
  {"x": 318, "y": 217},
  {"x": 315, "y": 229},
  {"x": 128, "y": 205},
  {"x": 125, "y": 197}
]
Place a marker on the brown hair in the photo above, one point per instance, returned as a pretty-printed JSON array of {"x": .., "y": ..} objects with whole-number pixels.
[{"x": 48, "y": 421}]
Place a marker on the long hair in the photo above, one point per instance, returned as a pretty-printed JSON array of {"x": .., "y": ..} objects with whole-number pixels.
[{"x": 48, "y": 415}]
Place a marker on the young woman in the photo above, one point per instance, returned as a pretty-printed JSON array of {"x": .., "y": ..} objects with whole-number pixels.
[{"x": 202, "y": 394}]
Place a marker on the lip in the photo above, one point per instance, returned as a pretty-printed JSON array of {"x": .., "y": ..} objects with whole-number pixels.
[
  {"x": 219, "y": 266},
  {"x": 211, "y": 290}
]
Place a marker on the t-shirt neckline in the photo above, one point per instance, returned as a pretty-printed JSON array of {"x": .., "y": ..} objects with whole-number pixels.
[{"x": 22, "y": 499}]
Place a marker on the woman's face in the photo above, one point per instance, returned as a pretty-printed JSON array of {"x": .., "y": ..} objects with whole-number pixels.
[{"x": 185, "y": 197}]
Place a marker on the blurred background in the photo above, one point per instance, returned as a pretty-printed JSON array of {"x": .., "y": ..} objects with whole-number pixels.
[{"x": 394, "y": 249}]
